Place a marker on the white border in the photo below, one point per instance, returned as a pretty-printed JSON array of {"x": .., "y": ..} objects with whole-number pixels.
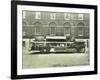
[{"x": 21, "y": 71}]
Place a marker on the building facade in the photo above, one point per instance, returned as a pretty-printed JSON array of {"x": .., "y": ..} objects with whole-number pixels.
[{"x": 55, "y": 24}]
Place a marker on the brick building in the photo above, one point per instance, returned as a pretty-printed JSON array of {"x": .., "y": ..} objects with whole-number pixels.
[{"x": 55, "y": 23}]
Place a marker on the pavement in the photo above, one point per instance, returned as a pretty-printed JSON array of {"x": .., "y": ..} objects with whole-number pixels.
[{"x": 43, "y": 60}]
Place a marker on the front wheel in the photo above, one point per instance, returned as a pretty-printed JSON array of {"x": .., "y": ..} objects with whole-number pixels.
[
  {"x": 47, "y": 50},
  {"x": 41, "y": 49}
]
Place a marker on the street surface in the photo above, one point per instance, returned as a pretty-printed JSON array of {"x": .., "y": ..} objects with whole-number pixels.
[{"x": 44, "y": 60}]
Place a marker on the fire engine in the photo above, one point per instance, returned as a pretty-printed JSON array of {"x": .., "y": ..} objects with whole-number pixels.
[{"x": 56, "y": 44}]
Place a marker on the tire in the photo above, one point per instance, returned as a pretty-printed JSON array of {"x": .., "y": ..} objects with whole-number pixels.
[
  {"x": 82, "y": 50},
  {"x": 42, "y": 50},
  {"x": 47, "y": 50}
]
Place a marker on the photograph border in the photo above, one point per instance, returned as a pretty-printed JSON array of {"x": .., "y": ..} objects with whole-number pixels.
[{"x": 14, "y": 39}]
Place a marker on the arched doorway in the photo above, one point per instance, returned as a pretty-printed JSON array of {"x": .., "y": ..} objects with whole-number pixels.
[
  {"x": 80, "y": 29},
  {"x": 52, "y": 27},
  {"x": 38, "y": 28},
  {"x": 67, "y": 28},
  {"x": 81, "y": 24}
]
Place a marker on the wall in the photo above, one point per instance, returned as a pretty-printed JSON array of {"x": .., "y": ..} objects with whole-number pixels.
[
  {"x": 59, "y": 26},
  {"x": 5, "y": 39}
]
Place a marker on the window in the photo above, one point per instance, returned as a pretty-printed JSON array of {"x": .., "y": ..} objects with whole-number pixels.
[
  {"x": 38, "y": 15},
  {"x": 67, "y": 16},
  {"x": 38, "y": 28},
  {"x": 81, "y": 24},
  {"x": 80, "y": 17},
  {"x": 53, "y": 16},
  {"x": 73, "y": 16},
  {"x": 80, "y": 29},
  {"x": 67, "y": 28},
  {"x": 52, "y": 26}
]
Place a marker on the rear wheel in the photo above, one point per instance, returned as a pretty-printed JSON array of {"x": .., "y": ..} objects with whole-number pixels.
[{"x": 82, "y": 50}]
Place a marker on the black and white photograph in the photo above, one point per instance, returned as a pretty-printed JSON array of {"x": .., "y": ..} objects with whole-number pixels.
[{"x": 54, "y": 38}]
